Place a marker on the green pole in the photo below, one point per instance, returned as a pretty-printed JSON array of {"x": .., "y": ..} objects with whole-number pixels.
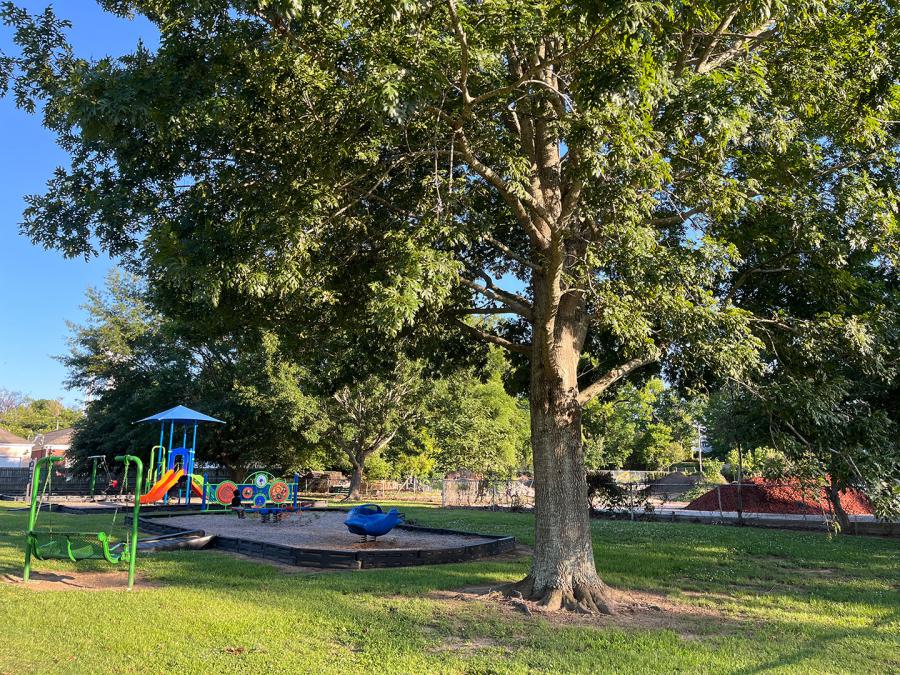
[
  {"x": 32, "y": 512},
  {"x": 93, "y": 475},
  {"x": 151, "y": 477},
  {"x": 150, "y": 468},
  {"x": 135, "y": 514}
]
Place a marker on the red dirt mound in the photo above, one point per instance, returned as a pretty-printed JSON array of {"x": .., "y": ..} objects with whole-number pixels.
[{"x": 765, "y": 497}]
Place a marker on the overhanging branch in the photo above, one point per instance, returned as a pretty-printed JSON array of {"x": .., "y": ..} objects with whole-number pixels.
[
  {"x": 486, "y": 310},
  {"x": 509, "y": 345},
  {"x": 512, "y": 255},
  {"x": 605, "y": 381},
  {"x": 515, "y": 303}
]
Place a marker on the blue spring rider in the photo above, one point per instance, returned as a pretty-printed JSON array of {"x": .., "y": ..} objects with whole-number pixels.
[{"x": 369, "y": 520}]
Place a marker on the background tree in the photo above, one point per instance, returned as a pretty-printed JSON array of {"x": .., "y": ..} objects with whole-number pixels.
[
  {"x": 613, "y": 157},
  {"x": 364, "y": 417},
  {"x": 28, "y": 417},
  {"x": 828, "y": 404},
  {"x": 135, "y": 362},
  {"x": 476, "y": 425},
  {"x": 646, "y": 427}
]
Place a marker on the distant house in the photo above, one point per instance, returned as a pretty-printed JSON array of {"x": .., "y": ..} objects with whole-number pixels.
[
  {"x": 14, "y": 450},
  {"x": 55, "y": 443}
]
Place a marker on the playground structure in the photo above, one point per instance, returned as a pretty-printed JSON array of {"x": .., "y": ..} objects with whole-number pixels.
[
  {"x": 168, "y": 466},
  {"x": 261, "y": 489},
  {"x": 164, "y": 470},
  {"x": 46, "y": 544},
  {"x": 368, "y": 520}
]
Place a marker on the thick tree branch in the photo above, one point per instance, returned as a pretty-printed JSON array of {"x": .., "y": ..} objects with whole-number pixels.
[
  {"x": 744, "y": 276},
  {"x": 486, "y": 310},
  {"x": 761, "y": 34},
  {"x": 496, "y": 339},
  {"x": 707, "y": 63},
  {"x": 714, "y": 38},
  {"x": 561, "y": 57},
  {"x": 516, "y": 202},
  {"x": 515, "y": 303},
  {"x": 463, "y": 54},
  {"x": 605, "y": 381},
  {"x": 512, "y": 255},
  {"x": 677, "y": 218}
]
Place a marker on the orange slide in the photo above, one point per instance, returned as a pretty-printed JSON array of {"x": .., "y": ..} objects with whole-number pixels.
[
  {"x": 196, "y": 488},
  {"x": 162, "y": 486}
]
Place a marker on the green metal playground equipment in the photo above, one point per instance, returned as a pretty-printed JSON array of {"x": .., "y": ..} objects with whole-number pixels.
[
  {"x": 45, "y": 544},
  {"x": 98, "y": 460}
]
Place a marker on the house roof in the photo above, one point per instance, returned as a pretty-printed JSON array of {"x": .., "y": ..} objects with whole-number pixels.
[
  {"x": 8, "y": 438},
  {"x": 59, "y": 437}
]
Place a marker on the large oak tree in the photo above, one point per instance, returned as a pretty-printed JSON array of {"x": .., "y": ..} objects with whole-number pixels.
[{"x": 582, "y": 170}]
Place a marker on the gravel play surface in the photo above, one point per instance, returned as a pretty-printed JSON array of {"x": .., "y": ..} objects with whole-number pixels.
[{"x": 317, "y": 530}]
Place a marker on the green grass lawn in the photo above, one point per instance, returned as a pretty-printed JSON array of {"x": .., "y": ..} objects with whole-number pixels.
[{"x": 766, "y": 601}]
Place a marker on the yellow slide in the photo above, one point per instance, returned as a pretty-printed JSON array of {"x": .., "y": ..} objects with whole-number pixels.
[{"x": 162, "y": 486}]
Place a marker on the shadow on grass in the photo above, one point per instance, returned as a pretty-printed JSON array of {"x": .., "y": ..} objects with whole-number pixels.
[{"x": 824, "y": 643}]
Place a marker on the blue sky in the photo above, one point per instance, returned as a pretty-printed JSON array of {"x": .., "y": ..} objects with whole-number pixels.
[{"x": 40, "y": 290}]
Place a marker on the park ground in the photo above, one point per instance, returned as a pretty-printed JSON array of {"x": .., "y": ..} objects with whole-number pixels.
[{"x": 695, "y": 599}]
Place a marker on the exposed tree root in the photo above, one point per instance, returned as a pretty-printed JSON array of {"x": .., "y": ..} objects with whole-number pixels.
[{"x": 590, "y": 598}]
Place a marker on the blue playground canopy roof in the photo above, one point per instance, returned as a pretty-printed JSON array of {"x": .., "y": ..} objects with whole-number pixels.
[{"x": 180, "y": 414}]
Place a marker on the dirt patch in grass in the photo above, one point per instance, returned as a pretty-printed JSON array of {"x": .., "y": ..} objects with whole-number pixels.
[
  {"x": 81, "y": 581},
  {"x": 817, "y": 571},
  {"x": 461, "y": 646},
  {"x": 635, "y": 609}
]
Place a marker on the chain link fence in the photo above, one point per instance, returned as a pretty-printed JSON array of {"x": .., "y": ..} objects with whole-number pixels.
[
  {"x": 633, "y": 494},
  {"x": 629, "y": 494}
]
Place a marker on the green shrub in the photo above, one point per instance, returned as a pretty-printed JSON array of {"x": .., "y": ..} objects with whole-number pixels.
[{"x": 712, "y": 471}]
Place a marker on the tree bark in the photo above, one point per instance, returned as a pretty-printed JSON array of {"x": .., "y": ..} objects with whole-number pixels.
[
  {"x": 563, "y": 573},
  {"x": 834, "y": 496},
  {"x": 356, "y": 475}
]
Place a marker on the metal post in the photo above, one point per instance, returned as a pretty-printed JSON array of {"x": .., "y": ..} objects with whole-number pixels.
[
  {"x": 700, "y": 447},
  {"x": 203, "y": 505},
  {"x": 171, "y": 441},
  {"x": 740, "y": 497},
  {"x": 135, "y": 515},
  {"x": 160, "y": 449},
  {"x": 189, "y": 460},
  {"x": 93, "y": 475},
  {"x": 171, "y": 444},
  {"x": 32, "y": 512},
  {"x": 194, "y": 449},
  {"x": 296, "y": 489}
]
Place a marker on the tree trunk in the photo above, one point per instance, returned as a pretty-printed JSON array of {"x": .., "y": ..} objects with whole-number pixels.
[
  {"x": 355, "y": 482},
  {"x": 834, "y": 496},
  {"x": 563, "y": 573}
]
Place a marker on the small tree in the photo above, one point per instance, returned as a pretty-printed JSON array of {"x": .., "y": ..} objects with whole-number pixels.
[
  {"x": 364, "y": 417},
  {"x": 28, "y": 417},
  {"x": 476, "y": 424}
]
